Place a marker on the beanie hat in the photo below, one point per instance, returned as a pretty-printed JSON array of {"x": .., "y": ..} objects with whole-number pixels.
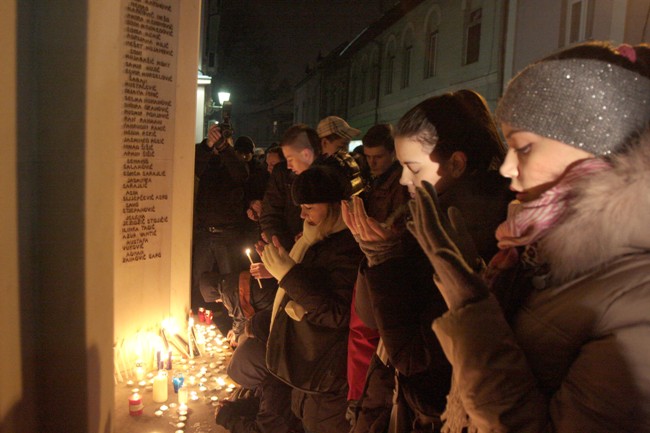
[
  {"x": 335, "y": 125},
  {"x": 244, "y": 144},
  {"x": 320, "y": 184},
  {"x": 586, "y": 103}
]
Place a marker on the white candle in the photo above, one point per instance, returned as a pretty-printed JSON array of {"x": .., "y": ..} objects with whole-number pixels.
[
  {"x": 160, "y": 387},
  {"x": 248, "y": 254},
  {"x": 183, "y": 395},
  {"x": 139, "y": 371},
  {"x": 189, "y": 336}
]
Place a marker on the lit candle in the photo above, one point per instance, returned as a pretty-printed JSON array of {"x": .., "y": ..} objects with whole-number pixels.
[
  {"x": 189, "y": 336},
  {"x": 169, "y": 360},
  {"x": 248, "y": 254},
  {"x": 160, "y": 387},
  {"x": 183, "y": 396},
  {"x": 135, "y": 404}
]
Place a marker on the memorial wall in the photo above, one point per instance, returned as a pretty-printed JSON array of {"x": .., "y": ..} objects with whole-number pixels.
[
  {"x": 146, "y": 291},
  {"x": 147, "y": 130}
]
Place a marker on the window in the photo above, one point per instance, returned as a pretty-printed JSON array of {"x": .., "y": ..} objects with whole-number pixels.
[
  {"x": 406, "y": 66},
  {"x": 430, "y": 57},
  {"x": 574, "y": 23},
  {"x": 473, "y": 37},
  {"x": 390, "y": 66},
  {"x": 354, "y": 84},
  {"x": 374, "y": 76},
  {"x": 578, "y": 21},
  {"x": 364, "y": 83}
]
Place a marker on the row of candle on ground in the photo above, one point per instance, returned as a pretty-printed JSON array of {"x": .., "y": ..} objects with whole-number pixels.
[
  {"x": 199, "y": 377},
  {"x": 160, "y": 393},
  {"x": 205, "y": 340}
]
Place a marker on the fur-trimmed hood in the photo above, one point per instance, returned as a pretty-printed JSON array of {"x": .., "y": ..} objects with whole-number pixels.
[{"x": 609, "y": 216}]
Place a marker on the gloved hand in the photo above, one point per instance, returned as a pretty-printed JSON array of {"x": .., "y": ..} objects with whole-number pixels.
[
  {"x": 276, "y": 259},
  {"x": 442, "y": 240}
]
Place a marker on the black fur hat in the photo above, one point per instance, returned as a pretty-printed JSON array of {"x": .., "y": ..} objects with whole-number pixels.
[{"x": 320, "y": 184}]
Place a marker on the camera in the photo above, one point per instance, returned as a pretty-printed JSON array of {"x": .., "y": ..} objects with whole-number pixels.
[{"x": 226, "y": 125}]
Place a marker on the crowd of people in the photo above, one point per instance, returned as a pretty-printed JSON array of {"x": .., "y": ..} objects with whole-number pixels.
[{"x": 461, "y": 272}]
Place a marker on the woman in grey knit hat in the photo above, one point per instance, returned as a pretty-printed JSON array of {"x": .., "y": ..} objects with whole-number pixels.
[{"x": 555, "y": 335}]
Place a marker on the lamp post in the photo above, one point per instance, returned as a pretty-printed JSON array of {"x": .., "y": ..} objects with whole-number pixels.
[{"x": 210, "y": 106}]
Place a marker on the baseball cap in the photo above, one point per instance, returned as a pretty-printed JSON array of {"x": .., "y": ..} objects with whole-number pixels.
[{"x": 335, "y": 125}]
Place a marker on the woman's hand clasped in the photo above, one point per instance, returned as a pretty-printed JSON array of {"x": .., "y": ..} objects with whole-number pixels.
[
  {"x": 366, "y": 228},
  {"x": 449, "y": 248}
]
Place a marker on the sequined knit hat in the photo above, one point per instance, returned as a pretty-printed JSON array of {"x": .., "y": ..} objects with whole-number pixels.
[{"x": 587, "y": 103}]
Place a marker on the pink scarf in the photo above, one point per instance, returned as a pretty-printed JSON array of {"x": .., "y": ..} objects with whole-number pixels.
[{"x": 527, "y": 222}]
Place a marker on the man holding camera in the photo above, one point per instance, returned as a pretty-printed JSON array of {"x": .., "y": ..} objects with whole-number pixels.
[{"x": 219, "y": 209}]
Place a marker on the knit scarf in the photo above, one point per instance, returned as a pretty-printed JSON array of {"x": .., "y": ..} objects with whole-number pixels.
[
  {"x": 527, "y": 222},
  {"x": 310, "y": 235}
]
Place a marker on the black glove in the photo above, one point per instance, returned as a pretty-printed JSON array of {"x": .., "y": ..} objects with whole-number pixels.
[{"x": 449, "y": 248}]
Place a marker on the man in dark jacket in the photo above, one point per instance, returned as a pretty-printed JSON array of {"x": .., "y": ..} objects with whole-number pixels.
[
  {"x": 219, "y": 210},
  {"x": 280, "y": 215},
  {"x": 384, "y": 194},
  {"x": 384, "y": 198},
  {"x": 301, "y": 146}
]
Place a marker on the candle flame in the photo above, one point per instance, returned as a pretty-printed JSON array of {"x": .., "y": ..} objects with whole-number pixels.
[{"x": 248, "y": 251}]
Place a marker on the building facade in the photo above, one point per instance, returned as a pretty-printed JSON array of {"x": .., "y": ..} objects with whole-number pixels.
[{"x": 423, "y": 48}]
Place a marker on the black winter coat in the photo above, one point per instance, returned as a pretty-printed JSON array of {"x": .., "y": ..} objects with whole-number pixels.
[{"x": 322, "y": 284}]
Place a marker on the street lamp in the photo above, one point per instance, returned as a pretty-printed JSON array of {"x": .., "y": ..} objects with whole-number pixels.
[{"x": 223, "y": 97}]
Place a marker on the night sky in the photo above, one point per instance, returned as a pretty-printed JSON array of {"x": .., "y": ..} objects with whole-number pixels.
[{"x": 265, "y": 45}]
